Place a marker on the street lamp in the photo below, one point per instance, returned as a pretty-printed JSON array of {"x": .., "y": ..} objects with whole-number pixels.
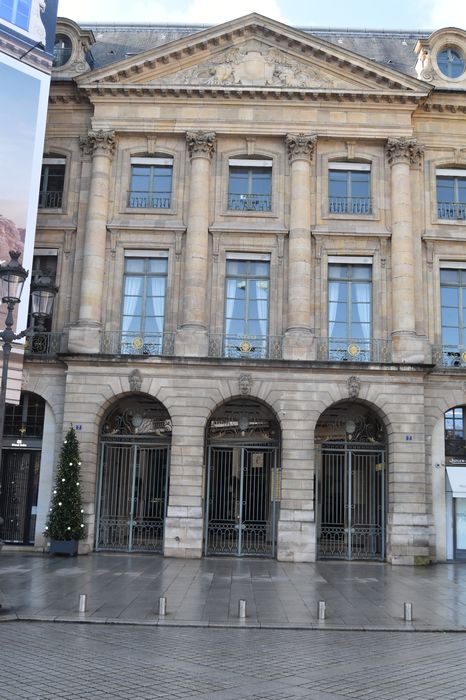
[
  {"x": 13, "y": 276},
  {"x": 43, "y": 293}
]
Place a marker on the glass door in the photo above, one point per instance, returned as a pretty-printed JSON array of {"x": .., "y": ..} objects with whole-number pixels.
[{"x": 460, "y": 528}]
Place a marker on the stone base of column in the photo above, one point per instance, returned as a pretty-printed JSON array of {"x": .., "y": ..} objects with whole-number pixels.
[
  {"x": 184, "y": 532},
  {"x": 409, "y": 348},
  {"x": 191, "y": 342},
  {"x": 296, "y": 540},
  {"x": 84, "y": 338},
  {"x": 298, "y": 345},
  {"x": 408, "y": 540}
]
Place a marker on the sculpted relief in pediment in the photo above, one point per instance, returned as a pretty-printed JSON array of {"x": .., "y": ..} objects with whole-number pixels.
[{"x": 253, "y": 65}]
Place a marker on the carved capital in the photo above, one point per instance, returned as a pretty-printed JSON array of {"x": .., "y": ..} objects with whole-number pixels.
[
  {"x": 300, "y": 146},
  {"x": 404, "y": 150},
  {"x": 98, "y": 142},
  {"x": 200, "y": 143}
]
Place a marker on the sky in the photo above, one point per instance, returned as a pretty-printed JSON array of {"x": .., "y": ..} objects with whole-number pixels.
[{"x": 368, "y": 14}]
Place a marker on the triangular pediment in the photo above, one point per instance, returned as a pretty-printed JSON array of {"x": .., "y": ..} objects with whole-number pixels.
[{"x": 253, "y": 52}]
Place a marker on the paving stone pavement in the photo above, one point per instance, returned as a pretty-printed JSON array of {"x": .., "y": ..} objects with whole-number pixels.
[
  {"x": 59, "y": 661},
  {"x": 125, "y": 588}
]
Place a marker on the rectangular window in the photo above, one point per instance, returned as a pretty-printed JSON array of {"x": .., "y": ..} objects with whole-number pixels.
[
  {"x": 17, "y": 12},
  {"x": 143, "y": 312},
  {"x": 250, "y": 185},
  {"x": 151, "y": 183},
  {"x": 52, "y": 183},
  {"x": 349, "y": 188},
  {"x": 349, "y": 311},
  {"x": 247, "y": 308},
  {"x": 453, "y": 308},
  {"x": 451, "y": 194}
]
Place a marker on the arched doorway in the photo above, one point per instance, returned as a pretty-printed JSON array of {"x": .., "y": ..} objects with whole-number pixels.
[
  {"x": 19, "y": 478},
  {"x": 243, "y": 480},
  {"x": 133, "y": 480},
  {"x": 351, "y": 483}
]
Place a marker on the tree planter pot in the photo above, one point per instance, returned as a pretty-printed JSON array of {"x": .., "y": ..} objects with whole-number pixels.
[{"x": 69, "y": 547}]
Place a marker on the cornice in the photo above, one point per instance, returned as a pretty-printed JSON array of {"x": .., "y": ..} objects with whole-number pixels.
[{"x": 93, "y": 92}]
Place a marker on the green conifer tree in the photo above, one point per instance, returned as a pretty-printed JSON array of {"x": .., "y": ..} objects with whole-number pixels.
[{"x": 66, "y": 515}]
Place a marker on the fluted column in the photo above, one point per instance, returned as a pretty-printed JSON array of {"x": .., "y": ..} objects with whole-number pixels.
[
  {"x": 298, "y": 337},
  {"x": 192, "y": 337},
  {"x": 85, "y": 337},
  {"x": 402, "y": 153}
]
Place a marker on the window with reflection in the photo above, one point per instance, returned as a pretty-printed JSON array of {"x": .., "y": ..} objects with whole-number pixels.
[
  {"x": 17, "y": 12},
  {"x": 52, "y": 182},
  {"x": 349, "y": 188},
  {"x": 143, "y": 313},
  {"x": 151, "y": 183},
  {"x": 451, "y": 193},
  {"x": 247, "y": 308},
  {"x": 455, "y": 445},
  {"x": 349, "y": 311},
  {"x": 453, "y": 312},
  {"x": 250, "y": 185},
  {"x": 451, "y": 62}
]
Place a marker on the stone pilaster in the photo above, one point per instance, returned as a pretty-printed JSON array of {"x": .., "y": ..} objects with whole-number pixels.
[
  {"x": 298, "y": 336},
  {"x": 84, "y": 337},
  {"x": 192, "y": 337},
  {"x": 407, "y": 347}
]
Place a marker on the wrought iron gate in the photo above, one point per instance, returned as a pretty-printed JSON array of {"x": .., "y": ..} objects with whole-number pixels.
[
  {"x": 18, "y": 500},
  {"x": 242, "y": 500},
  {"x": 132, "y": 498},
  {"x": 351, "y": 497}
]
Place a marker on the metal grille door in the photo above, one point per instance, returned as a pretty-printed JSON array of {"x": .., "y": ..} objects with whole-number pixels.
[
  {"x": 18, "y": 500},
  {"x": 242, "y": 501},
  {"x": 132, "y": 498},
  {"x": 351, "y": 496}
]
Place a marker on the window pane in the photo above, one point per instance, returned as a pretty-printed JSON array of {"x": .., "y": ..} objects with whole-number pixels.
[
  {"x": 449, "y": 296},
  {"x": 237, "y": 267},
  {"x": 449, "y": 276},
  {"x": 450, "y": 316},
  {"x": 339, "y": 330},
  {"x": 338, "y": 291},
  {"x": 338, "y": 183},
  {"x": 338, "y": 312},
  {"x": 445, "y": 189},
  {"x": 359, "y": 184},
  {"x": 450, "y": 336}
]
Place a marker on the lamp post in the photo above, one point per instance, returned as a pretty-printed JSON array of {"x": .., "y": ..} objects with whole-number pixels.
[
  {"x": 12, "y": 275},
  {"x": 43, "y": 293}
]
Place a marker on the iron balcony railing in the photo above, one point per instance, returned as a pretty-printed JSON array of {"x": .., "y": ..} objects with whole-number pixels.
[
  {"x": 449, "y": 355},
  {"x": 149, "y": 200},
  {"x": 252, "y": 347},
  {"x": 50, "y": 200},
  {"x": 134, "y": 343},
  {"x": 451, "y": 210},
  {"x": 350, "y": 205},
  {"x": 43, "y": 343},
  {"x": 250, "y": 202},
  {"x": 353, "y": 350}
]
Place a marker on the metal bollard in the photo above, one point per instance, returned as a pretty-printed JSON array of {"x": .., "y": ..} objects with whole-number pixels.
[
  {"x": 321, "y": 610},
  {"x": 162, "y": 606},
  {"x": 242, "y": 609},
  {"x": 408, "y": 612},
  {"x": 82, "y": 603}
]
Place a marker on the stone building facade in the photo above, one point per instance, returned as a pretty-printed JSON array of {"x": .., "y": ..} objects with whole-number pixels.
[{"x": 258, "y": 237}]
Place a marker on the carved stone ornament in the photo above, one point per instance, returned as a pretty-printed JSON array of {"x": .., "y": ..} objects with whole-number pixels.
[
  {"x": 354, "y": 387},
  {"x": 200, "y": 143},
  {"x": 252, "y": 64},
  {"x": 300, "y": 146},
  {"x": 135, "y": 380},
  {"x": 245, "y": 384},
  {"x": 101, "y": 142},
  {"x": 404, "y": 150}
]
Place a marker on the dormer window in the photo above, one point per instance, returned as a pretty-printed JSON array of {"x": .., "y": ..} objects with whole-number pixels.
[
  {"x": 451, "y": 62},
  {"x": 62, "y": 49}
]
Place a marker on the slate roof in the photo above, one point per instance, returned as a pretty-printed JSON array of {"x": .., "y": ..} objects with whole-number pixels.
[{"x": 395, "y": 49}]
